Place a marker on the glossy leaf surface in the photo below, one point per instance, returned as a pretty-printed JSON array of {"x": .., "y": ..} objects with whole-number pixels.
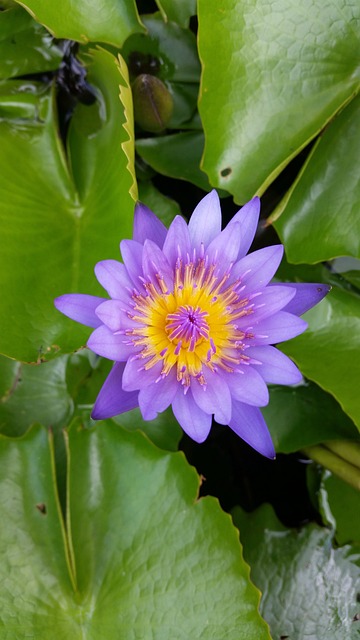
[
  {"x": 179, "y": 11},
  {"x": 110, "y": 21},
  {"x": 344, "y": 502},
  {"x": 177, "y": 156},
  {"x": 33, "y": 393},
  {"x": 36, "y": 592},
  {"x": 328, "y": 352},
  {"x": 165, "y": 208},
  {"x": 25, "y": 46},
  {"x": 56, "y": 221},
  {"x": 308, "y": 588},
  {"x": 169, "y": 53},
  {"x": 179, "y": 566},
  {"x": 305, "y": 415},
  {"x": 284, "y": 71},
  {"x": 321, "y": 219},
  {"x": 334, "y": 322}
]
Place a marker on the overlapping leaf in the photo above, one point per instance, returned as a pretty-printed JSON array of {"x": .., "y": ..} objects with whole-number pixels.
[
  {"x": 302, "y": 416},
  {"x": 57, "y": 224},
  {"x": 319, "y": 218},
  {"x": 309, "y": 589},
  {"x": 328, "y": 352},
  {"x": 25, "y": 46},
  {"x": 33, "y": 393},
  {"x": 179, "y": 11},
  {"x": 284, "y": 71},
  {"x": 169, "y": 53},
  {"x": 177, "y": 156},
  {"x": 110, "y": 21},
  {"x": 148, "y": 560}
]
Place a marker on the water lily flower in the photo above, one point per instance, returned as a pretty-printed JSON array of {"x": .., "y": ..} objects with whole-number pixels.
[{"x": 191, "y": 321}]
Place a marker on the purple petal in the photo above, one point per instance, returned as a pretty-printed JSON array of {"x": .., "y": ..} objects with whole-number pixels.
[
  {"x": 214, "y": 397},
  {"x": 265, "y": 303},
  {"x": 248, "y": 217},
  {"x": 205, "y": 222},
  {"x": 113, "y": 276},
  {"x": 158, "y": 396},
  {"x": 256, "y": 269},
  {"x": 247, "y": 385},
  {"x": 278, "y": 328},
  {"x": 109, "y": 345},
  {"x": 307, "y": 296},
  {"x": 80, "y": 307},
  {"x": 112, "y": 400},
  {"x": 136, "y": 377},
  {"x": 224, "y": 248},
  {"x": 115, "y": 316},
  {"x": 147, "y": 226},
  {"x": 191, "y": 418},
  {"x": 177, "y": 241},
  {"x": 249, "y": 424},
  {"x": 155, "y": 265},
  {"x": 275, "y": 367},
  {"x": 131, "y": 252}
]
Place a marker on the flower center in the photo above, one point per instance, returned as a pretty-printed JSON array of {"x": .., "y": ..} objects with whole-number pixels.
[
  {"x": 193, "y": 327},
  {"x": 187, "y": 327}
]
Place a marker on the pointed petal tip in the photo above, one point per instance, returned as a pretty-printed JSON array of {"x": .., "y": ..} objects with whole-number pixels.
[
  {"x": 147, "y": 225},
  {"x": 308, "y": 295},
  {"x": 79, "y": 307},
  {"x": 96, "y": 415}
]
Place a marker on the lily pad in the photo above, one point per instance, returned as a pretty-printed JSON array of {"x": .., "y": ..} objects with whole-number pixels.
[
  {"x": 144, "y": 557},
  {"x": 25, "y": 46},
  {"x": 344, "y": 502},
  {"x": 179, "y": 11},
  {"x": 328, "y": 352},
  {"x": 177, "y": 156},
  {"x": 170, "y": 53},
  {"x": 319, "y": 218},
  {"x": 33, "y": 393},
  {"x": 309, "y": 589},
  {"x": 56, "y": 221},
  {"x": 305, "y": 415},
  {"x": 286, "y": 68},
  {"x": 165, "y": 208},
  {"x": 110, "y": 21}
]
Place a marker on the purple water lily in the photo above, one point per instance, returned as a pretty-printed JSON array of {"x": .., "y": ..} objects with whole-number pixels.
[{"x": 190, "y": 322}]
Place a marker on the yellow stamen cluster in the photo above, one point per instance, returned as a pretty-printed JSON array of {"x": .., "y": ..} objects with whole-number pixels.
[{"x": 193, "y": 327}]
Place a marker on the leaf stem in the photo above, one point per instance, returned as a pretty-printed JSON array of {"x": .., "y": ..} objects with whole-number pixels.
[
  {"x": 348, "y": 450},
  {"x": 336, "y": 464}
]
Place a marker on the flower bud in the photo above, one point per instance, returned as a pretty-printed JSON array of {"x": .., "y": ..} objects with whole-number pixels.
[{"x": 153, "y": 103}]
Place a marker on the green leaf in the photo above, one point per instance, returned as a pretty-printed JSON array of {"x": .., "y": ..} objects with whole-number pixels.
[
  {"x": 57, "y": 223},
  {"x": 329, "y": 351},
  {"x": 177, "y": 156},
  {"x": 302, "y": 416},
  {"x": 165, "y": 431},
  {"x": 179, "y": 11},
  {"x": 174, "y": 50},
  {"x": 344, "y": 502},
  {"x": 150, "y": 559},
  {"x": 35, "y": 576},
  {"x": 309, "y": 588},
  {"x": 165, "y": 208},
  {"x": 169, "y": 53},
  {"x": 25, "y": 46},
  {"x": 284, "y": 71},
  {"x": 110, "y": 21},
  {"x": 33, "y": 393},
  {"x": 319, "y": 216},
  {"x": 85, "y": 376}
]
